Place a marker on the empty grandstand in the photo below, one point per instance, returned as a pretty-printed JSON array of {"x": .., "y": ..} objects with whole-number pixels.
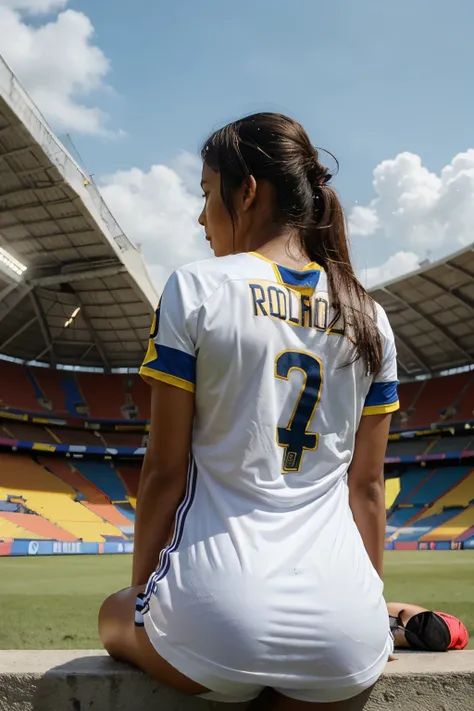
[{"x": 76, "y": 304}]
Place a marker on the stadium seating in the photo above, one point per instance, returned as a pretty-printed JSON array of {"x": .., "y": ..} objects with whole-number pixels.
[
  {"x": 409, "y": 447},
  {"x": 52, "y": 498},
  {"x": 103, "y": 393},
  {"x": 16, "y": 389},
  {"x": 49, "y": 381},
  {"x": 436, "y": 484},
  {"x": 140, "y": 394},
  {"x": 426, "y": 402},
  {"x": 108, "y": 396},
  {"x": 27, "y": 432},
  {"x": 392, "y": 489},
  {"x": 453, "y": 528},
  {"x": 35, "y": 527},
  {"x": 130, "y": 475},
  {"x": 432, "y": 505},
  {"x": 105, "y": 478},
  {"x": 48, "y": 496},
  {"x": 123, "y": 439},
  {"x": 91, "y": 497},
  {"x": 421, "y": 529}
]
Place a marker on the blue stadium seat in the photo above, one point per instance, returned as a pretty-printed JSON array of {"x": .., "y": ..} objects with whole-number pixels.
[
  {"x": 105, "y": 478},
  {"x": 437, "y": 483},
  {"x": 421, "y": 528},
  {"x": 399, "y": 517},
  {"x": 408, "y": 482}
]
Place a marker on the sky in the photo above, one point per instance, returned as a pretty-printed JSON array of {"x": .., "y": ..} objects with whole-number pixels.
[{"x": 133, "y": 89}]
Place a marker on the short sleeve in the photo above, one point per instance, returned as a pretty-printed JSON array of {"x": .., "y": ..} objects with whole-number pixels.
[
  {"x": 383, "y": 392},
  {"x": 171, "y": 354}
]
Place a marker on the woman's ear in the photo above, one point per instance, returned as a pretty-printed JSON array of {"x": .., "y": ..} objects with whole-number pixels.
[{"x": 249, "y": 193}]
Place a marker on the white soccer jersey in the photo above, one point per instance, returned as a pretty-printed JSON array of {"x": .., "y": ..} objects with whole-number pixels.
[{"x": 266, "y": 578}]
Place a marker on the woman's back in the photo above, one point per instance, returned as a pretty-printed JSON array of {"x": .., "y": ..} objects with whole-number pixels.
[
  {"x": 262, "y": 364},
  {"x": 265, "y": 532}
]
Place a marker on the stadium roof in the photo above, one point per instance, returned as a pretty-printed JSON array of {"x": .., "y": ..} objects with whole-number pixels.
[
  {"x": 79, "y": 264},
  {"x": 54, "y": 221},
  {"x": 432, "y": 314}
]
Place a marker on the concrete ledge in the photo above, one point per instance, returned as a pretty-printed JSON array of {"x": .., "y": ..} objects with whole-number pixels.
[{"x": 80, "y": 680}]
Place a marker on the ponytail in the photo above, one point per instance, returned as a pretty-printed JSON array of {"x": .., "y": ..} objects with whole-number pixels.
[
  {"x": 325, "y": 242},
  {"x": 277, "y": 149}
]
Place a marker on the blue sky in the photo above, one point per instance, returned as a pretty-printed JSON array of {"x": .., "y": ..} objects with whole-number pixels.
[{"x": 369, "y": 80}]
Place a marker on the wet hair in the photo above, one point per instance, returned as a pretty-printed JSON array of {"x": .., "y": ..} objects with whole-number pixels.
[{"x": 277, "y": 149}]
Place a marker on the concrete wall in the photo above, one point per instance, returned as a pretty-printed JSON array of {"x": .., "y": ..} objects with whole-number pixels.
[{"x": 89, "y": 680}]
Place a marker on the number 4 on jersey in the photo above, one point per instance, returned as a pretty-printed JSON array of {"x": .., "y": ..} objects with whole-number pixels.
[{"x": 295, "y": 437}]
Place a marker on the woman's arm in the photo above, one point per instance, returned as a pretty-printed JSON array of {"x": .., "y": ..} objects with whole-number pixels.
[
  {"x": 164, "y": 475},
  {"x": 366, "y": 485}
]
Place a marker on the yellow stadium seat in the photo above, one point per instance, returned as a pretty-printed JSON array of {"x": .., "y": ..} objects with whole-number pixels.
[
  {"x": 11, "y": 530},
  {"x": 392, "y": 489},
  {"x": 452, "y": 528},
  {"x": 52, "y": 498},
  {"x": 461, "y": 495}
]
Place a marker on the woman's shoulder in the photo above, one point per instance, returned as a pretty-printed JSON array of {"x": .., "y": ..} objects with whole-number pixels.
[
  {"x": 212, "y": 272},
  {"x": 383, "y": 322}
]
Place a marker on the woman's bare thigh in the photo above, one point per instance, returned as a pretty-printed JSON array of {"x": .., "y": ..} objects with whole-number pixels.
[{"x": 126, "y": 642}]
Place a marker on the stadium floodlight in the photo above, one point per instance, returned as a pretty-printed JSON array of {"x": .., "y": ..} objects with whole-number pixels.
[
  {"x": 72, "y": 317},
  {"x": 10, "y": 266}
]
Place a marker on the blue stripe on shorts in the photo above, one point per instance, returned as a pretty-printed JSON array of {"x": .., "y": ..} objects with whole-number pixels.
[{"x": 139, "y": 605}]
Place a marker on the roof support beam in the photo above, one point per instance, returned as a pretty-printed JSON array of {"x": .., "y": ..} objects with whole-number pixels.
[
  {"x": 442, "y": 331},
  {"x": 7, "y": 290},
  {"x": 79, "y": 276},
  {"x": 93, "y": 333},
  {"x": 464, "y": 301},
  {"x": 86, "y": 352},
  {"x": 36, "y": 204},
  {"x": 460, "y": 270},
  {"x": 71, "y": 343},
  {"x": 17, "y": 333},
  {"x": 415, "y": 353},
  {"x": 17, "y": 300},
  {"x": 19, "y": 151},
  {"x": 43, "y": 324}
]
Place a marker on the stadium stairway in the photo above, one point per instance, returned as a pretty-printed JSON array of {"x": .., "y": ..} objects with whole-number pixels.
[
  {"x": 104, "y": 477},
  {"x": 49, "y": 381},
  {"x": 130, "y": 475},
  {"x": 77, "y": 680}
]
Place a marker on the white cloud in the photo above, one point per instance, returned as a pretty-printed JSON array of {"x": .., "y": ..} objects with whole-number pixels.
[
  {"x": 35, "y": 7},
  {"x": 57, "y": 62},
  {"x": 398, "y": 264},
  {"x": 158, "y": 211},
  {"x": 420, "y": 211}
]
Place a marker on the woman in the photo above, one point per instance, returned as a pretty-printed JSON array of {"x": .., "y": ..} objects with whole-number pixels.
[
  {"x": 415, "y": 627},
  {"x": 260, "y": 463}
]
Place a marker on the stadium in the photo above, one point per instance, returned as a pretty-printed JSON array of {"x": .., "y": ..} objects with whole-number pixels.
[{"x": 76, "y": 305}]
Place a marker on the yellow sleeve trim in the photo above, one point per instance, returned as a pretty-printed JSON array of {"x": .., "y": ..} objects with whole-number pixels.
[
  {"x": 381, "y": 409},
  {"x": 147, "y": 373}
]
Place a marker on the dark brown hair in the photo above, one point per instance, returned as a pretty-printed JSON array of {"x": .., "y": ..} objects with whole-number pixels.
[{"x": 277, "y": 149}]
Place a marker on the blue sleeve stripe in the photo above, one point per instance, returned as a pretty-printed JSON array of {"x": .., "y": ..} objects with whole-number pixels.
[
  {"x": 174, "y": 362},
  {"x": 382, "y": 394}
]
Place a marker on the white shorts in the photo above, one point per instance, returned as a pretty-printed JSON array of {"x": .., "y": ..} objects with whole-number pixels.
[{"x": 238, "y": 691}]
